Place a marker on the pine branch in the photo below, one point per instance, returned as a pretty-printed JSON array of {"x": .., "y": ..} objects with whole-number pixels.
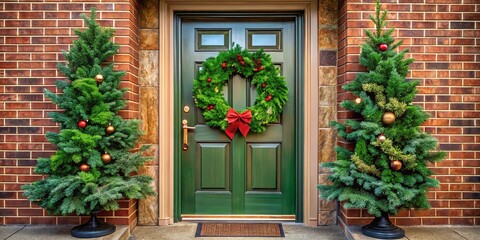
[
  {"x": 363, "y": 167},
  {"x": 379, "y": 19},
  {"x": 378, "y": 92},
  {"x": 395, "y": 154},
  {"x": 395, "y": 106}
]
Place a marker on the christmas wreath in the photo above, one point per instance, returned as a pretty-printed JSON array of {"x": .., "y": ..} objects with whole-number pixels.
[{"x": 257, "y": 67}]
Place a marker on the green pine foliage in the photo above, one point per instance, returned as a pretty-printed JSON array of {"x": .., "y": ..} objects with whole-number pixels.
[
  {"x": 363, "y": 178},
  {"x": 67, "y": 189},
  {"x": 259, "y": 69}
]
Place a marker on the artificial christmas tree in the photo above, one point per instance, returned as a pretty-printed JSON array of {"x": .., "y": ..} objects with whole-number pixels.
[
  {"x": 92, "y": 167},
  {"x": 387, "y": 170}
]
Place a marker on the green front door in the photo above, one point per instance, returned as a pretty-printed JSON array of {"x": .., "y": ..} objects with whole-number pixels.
[{"x": 253, "y": 175}]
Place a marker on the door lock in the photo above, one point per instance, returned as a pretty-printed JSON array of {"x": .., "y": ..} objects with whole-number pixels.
[{"x": 185, "y": 134}]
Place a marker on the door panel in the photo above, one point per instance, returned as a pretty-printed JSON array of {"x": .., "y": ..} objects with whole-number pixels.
[
  {"x": 252, "y": 175},
  {"x": 214, "y": 169},
  {"x": 263, "y": 167}
]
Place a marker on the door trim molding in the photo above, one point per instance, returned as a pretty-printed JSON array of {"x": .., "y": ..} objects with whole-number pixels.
[
  {"x": 166, "y": 94},
  {"x": 295, "y": 20}
]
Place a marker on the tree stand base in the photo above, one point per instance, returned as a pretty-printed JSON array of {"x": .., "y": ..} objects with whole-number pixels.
[
  {"x": 382, "y": 227},
  {"x": 93, "y": 228}
]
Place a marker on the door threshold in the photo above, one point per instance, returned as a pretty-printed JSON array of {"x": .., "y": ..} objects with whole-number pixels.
[{"x": 196, "y": 217}]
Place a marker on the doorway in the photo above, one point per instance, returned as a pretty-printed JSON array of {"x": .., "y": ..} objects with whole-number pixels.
[{"x": 256, "y": 176}]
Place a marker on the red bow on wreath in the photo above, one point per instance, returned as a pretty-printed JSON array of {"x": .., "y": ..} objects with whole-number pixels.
[{"x": 238, "y": 121}]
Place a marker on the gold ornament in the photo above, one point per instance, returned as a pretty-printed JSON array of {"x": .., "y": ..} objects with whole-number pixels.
[
  {"x": 395, "y": 165},
  {"x": 106, "y": 158},
  {"x": 382, "y": 138},
  {"x": 388, "y": 118},
  {"x": 84, "y": 167},
  {"x": 110, "y": 129},
  {"x": 99, "y": 78},
  {"x": 358, "y": 100}
]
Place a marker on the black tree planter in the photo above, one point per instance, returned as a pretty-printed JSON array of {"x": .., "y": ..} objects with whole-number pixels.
[
  {"x": 93, "y": 228},
  {"x": 382, "y": 227}
]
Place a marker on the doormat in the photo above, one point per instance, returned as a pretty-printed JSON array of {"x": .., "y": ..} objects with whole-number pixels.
[{"x": 239, "y": 230}]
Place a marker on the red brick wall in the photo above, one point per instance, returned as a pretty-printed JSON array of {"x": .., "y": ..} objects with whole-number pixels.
[
  {"x": 444, "y": 39},
  {"x": 32, "y": 36}
]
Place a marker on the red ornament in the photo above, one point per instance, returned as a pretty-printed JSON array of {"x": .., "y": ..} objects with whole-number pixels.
[
  {"x": 84, "y": 167},
  {"x": 224, "y": 65},
  {"x": 82, "y": 124},
  {"x": 209, "y": 80},
  {"x": 268, "y": 98},
  {"x": 210, "y": 107},
  {"x": 239, "y": 57},
  {"x": 383, "y": 47},
  {"x": 264, "y": 85},
  {"x": 261, "y": 68},
  {"x": 243, "y": 63}
]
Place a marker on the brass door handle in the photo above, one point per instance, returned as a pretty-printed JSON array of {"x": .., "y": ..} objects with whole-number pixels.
[{"x": 185, "y": 134}]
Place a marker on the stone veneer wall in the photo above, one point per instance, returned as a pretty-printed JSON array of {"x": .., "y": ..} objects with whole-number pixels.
[
  {"x": 32, "y": 36},
  {"x": 327, "y": 45},
  {"x": 149, "y": 100},
  {"x": 443, "y": 38}
]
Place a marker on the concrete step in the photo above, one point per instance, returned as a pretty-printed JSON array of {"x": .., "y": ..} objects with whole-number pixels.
[
  {"x": 444, "y": 232},
  {"x": 57, "y": 232}
]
